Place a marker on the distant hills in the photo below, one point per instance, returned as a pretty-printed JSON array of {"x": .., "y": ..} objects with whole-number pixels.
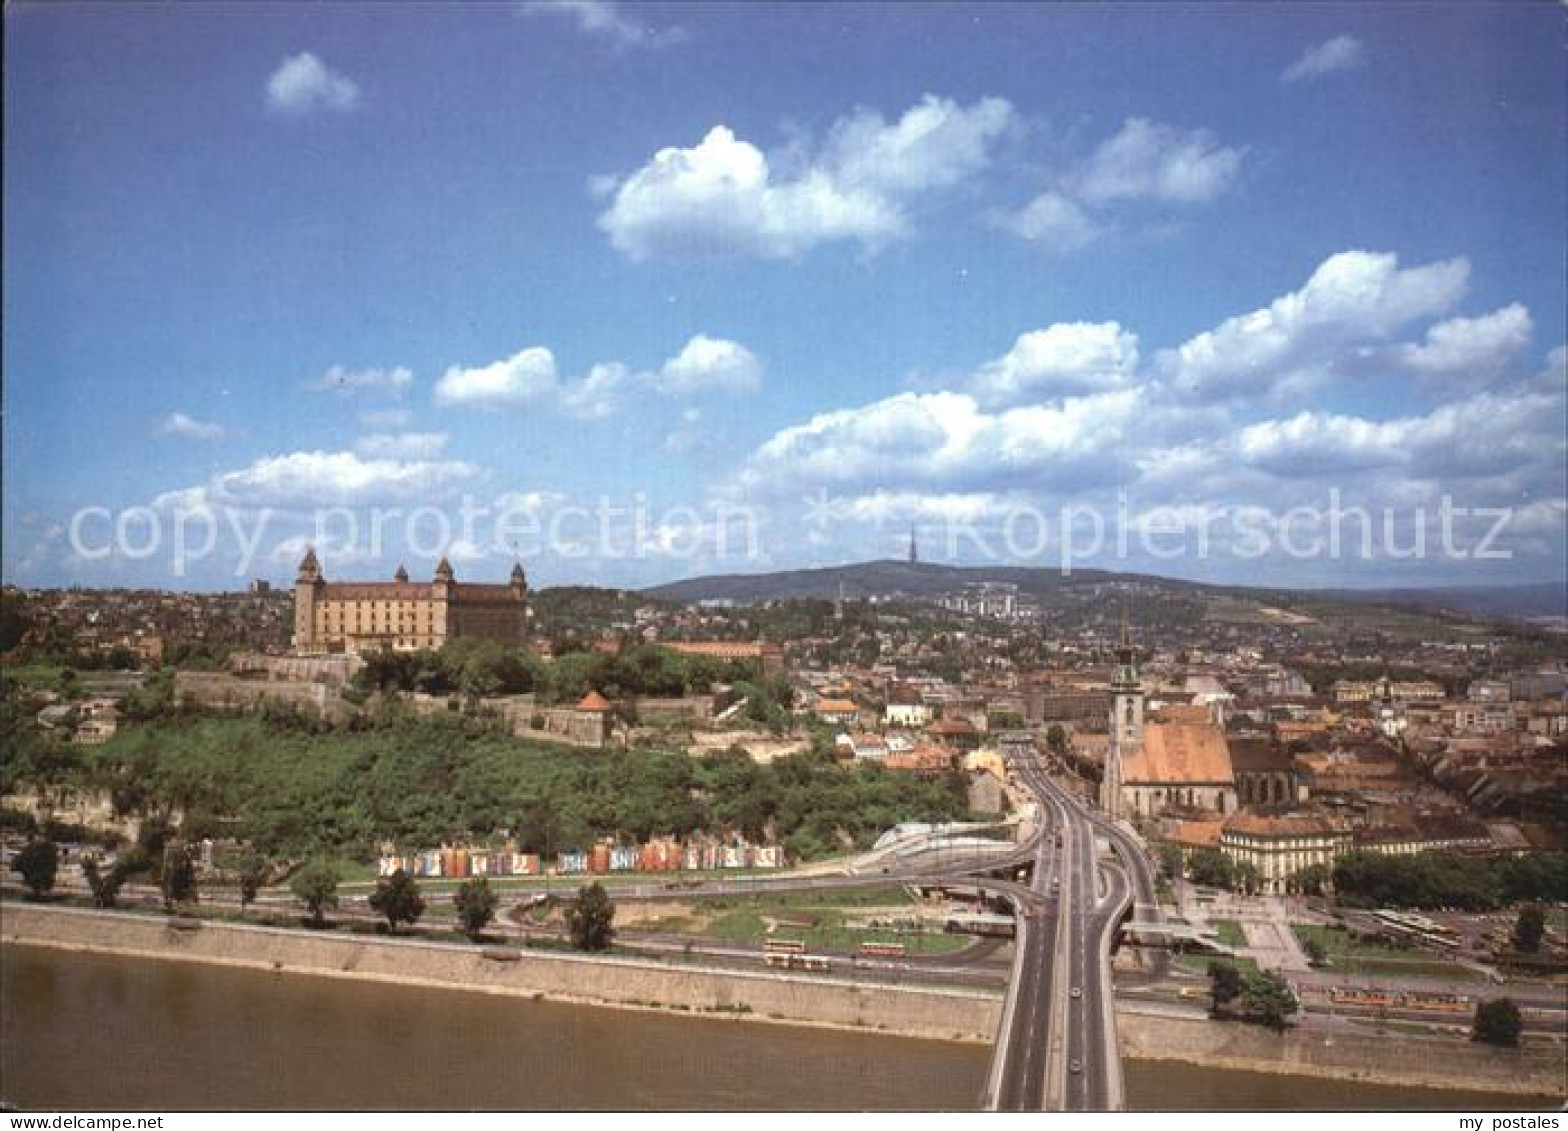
[
  {"x": 890, "y": 578},
  {"x": 1508, "y": 602}
]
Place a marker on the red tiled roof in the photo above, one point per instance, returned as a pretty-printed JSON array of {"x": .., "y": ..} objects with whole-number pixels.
[
  {"x": 593, "y": 701},
  {"x": 1179, "y": 753},
  {"x": 836, "y": 707}
]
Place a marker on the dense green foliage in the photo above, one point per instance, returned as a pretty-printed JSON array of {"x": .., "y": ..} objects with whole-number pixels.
[
  {"x": 178, "y": 880},
  {"x": 1214, "y": 868},
  {"x": 1316, "y": 952},
  {"x": 105, "y": 886},
  {"x": 590, "y": 918},
  {"x": 1446, "y": 879},
  {"x": 251, "y": 871},
  {"x": 1267, "y": 999},
  {"x": 1529, "y": 928},
  {"x": 1224, "y": 985},
  {"x": 397, "y": 899},
  {"x": 1259, "y": 996},
  {"x": 1497, "y": 1022},
  {"x": 316, "y": 886},
  {"x": 478, "y": 668},
  {"x": 38, "y": 863},
  {"x": 295, "y": 789},
  {"x": 475, "y": 903}
]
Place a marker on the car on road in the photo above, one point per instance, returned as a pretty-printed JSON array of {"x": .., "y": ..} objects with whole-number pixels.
[
  {"x": 1077, "y": 992},
  {"x": 1075, "y": 1067}
]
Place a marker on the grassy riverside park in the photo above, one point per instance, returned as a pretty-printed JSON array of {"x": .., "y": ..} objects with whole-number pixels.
[
  {"x": 1369, "y": 958},
  {"x": 823, "y": 921},
  {"x": 1229, "y": 932}
]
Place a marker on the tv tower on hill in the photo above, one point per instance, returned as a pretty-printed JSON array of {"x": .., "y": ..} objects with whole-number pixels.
[{"x": 914, "y": 553}]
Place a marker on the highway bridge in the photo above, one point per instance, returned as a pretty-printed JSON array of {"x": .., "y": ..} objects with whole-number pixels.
[{"x": 1056, "y": 1049}]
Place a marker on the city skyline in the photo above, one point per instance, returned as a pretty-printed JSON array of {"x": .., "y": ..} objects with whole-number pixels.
[{"x": 847, "y": 270}]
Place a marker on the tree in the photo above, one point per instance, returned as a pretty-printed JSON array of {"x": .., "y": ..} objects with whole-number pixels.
[
  {"x": 1310, "y": 880},
  {"x": 1224, "y": 985},
  {"x": 1170, "y": 859},
  {"x": 1529, "y": 928},
  {"x": 1245, "y": 877},
  {"x": 105, "y": 886},
  {"x": 1268, "y": 1000},
  {"x": 316, "y": 886},
  {"x": 589, "y": 918},
  {"x": 38, "y": 863},
  {"x": 1317, "y": 954},
  {"x": 1212, "y": 868},
  {"x": 476, "y": 905},
  {"x": 397, "y": 897},
  {"x": 1056, "y": 740},
  {"x": 252, "y": 871},
  {"x": 1497, "y": 1022},
  {"x": 178, "y": 879}
]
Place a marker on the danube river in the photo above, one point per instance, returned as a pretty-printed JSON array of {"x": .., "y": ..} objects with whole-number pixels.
[{"x": 81, "y": 1031}]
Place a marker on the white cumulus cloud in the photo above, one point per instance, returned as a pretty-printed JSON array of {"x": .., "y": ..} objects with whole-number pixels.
[
  {"x": 1064, "y": 359},
  {"x": 1354, "y": 296},
  {"x": 711, "y": 365},
  {"x": 402, "y": 445},
  {"x": 1471, "y": 349},
  {"x": 303, "y": 83},
  {"x": 724, "y": 195},
  {"x": 1342, "y": 53},
  {"x": 188, "y": 427},
  {"x": 607, "y": 21},
  {"x": 526, "y": 377},
  {"x": 1054, "y": 222},
  {"x": 530, "y": 377},
  {"x": 313, "y": 479},
  {"x": 371, "y": 382},
  {"x": 1149, "y": 160}
]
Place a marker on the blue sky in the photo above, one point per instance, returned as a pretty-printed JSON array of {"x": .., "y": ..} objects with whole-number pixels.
[{"x": 834, "y": 269}]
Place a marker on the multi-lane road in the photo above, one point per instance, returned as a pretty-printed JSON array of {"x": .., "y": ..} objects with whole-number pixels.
[{"x": 1057, "y": 1047}]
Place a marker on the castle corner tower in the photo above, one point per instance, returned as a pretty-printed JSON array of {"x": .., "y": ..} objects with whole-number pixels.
[{"x": 307, "y": 590}]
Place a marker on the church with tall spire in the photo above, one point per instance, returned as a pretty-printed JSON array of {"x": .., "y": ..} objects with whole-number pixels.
[
  {"x": 1171, "y": 758},
  {"x": 403, "y": 615},
  {"x": 1126, "y": 723}
]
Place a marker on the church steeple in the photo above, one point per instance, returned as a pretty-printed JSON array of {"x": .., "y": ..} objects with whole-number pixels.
[
  {"x": 309, "y": 567},
  {"x": 401, "y": 574},
  {"x": 1126, "y": 720}
]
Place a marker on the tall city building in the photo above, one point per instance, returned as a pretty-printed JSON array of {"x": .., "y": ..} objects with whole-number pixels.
[{"x": 367, "y": 616}]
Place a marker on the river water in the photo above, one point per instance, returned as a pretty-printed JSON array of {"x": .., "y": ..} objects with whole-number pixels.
[{"x": 81, "y": 1031}]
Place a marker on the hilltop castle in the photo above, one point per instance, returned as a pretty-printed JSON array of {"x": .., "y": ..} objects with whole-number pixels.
[{"x": 401, "y": 614}]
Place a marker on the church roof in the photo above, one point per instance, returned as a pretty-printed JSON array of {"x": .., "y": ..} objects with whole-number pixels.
[
  {"x": 1258, "y": 755},
  {"x": 1179, "y": 754}
]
